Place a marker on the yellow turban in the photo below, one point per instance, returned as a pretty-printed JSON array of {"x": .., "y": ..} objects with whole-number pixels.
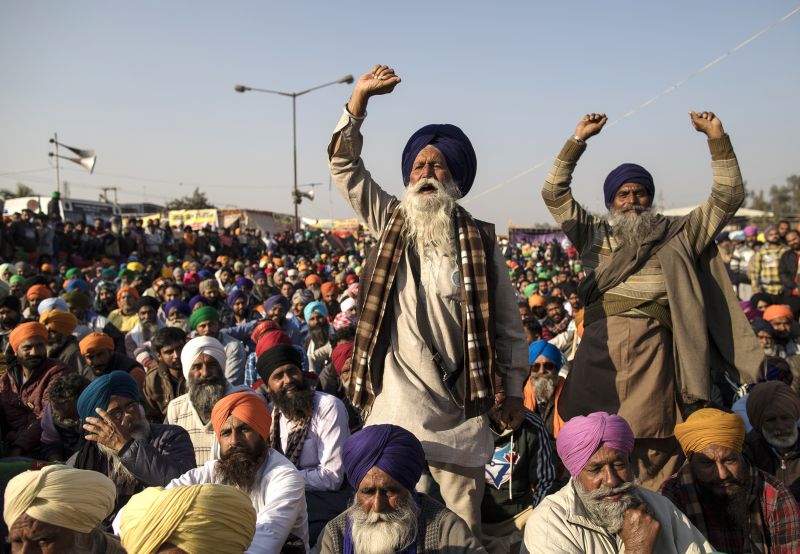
[
  {"x": 197, "y": 518},
  {"x": 61, "y": 322},
  {"x": 710, "y": 426},
  {"x": 76, "y": 499}
]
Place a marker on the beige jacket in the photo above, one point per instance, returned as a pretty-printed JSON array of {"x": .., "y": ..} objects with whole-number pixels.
[{"x": 560, "y": 524}]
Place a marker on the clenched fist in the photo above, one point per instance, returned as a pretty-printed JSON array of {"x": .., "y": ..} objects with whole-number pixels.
[
  {"x": 639, "y": 530},
  {"x": 381, "y": 79},
  {"x": 707, "y": 123},
  {"x": 590, "y": 125}
]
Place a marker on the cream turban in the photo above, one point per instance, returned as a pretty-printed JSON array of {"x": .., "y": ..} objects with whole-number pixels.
[
  {"x": 76, "y": 499},
  {"x": 197, "y": 518},
  {"x": 202, "y": 345}
]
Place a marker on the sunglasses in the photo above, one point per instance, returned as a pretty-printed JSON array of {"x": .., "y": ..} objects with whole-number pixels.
[{"x": 543, "y": 365}]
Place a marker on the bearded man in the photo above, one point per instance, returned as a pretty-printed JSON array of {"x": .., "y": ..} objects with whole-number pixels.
[
  {"x": 125, "y": 316},
  {"x": 241, "y": 424},
  {"x": 787, "y": 332},
  {"x": 309, "y": 428},
  {"x": 101, "y": 358},
  {"x": 148, "y": 324},
  {"x": 61, "y": 343},
  {"x": 764, "y": 268},
  {"x": 206, "y": 322},
  {"x": 122, "y": 444},
  {"x": 384, "y": 463},
  {"x": 602, "y": 508},
  {"x": 10, "y": 316},
  {"x": 787, "y": 266},
  {"x": 540, "y": 390},
  {"x": 736, "y": 506},
  {"x": 658, "y": 301},
  {"x": 276, "y": 308},
  {"x": 319, "y": 347},
  {"x": 773, "y": 409},
  {"x": 436, "y": 282}
]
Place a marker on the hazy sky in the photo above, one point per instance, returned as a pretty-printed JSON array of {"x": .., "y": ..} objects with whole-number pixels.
[{"x": 149, "y": 85}]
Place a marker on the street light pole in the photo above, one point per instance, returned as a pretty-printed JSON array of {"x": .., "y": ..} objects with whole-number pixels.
[{"x": 296, "y": 196}]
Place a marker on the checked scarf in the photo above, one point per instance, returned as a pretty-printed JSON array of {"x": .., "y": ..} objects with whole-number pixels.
[
  {"x": 295, "y": 440},
  {"x": 478, "y": 347}
]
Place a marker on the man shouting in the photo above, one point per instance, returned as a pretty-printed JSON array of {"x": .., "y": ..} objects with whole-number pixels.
[{"x": 436, "y": 289}]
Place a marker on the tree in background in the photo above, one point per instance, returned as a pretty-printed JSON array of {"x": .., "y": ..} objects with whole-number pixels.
[
  {"x": 196, "y": 201},
  {"x": 22, "y": 190},
  {"x": 782, "y": 200}
]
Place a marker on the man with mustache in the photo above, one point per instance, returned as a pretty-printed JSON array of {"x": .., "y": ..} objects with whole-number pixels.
[
  {"x": 205, "y": 322},
  {"x": 773, "y": 444},
  {"x": 241, "y": 424},
  {"x": 145, "y": 328},
  {"x": 101, "y": 358},
  {"x": 24, "y": 386},
  {"x": 437, "y": 281},
  {"x": 61, "y": 343},
  {"x": 657, "y": 289},
  {"x": 276, "y": 307},
  {"x": 602, "y": 509},
  {"x": 737, "y": 507},
  {"x": 309, "y": 428}
]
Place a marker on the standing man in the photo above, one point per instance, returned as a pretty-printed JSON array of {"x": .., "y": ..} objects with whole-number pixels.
[
  {"x": 764, "y": 271},
  {"x": 436, "y": 282},
  {"x": 658, "y": 301}
]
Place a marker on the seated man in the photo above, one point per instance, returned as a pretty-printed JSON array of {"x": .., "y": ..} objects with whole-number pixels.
[
  {"x": 739, "y": 508},
  {"x": 122, "y": 444},
  {"x": 24, "y": 386},
  {"x": 61, "y": 507},
  {"x": 602, "y": 509},
  {"x": 101, "y": 359},
  {"x": 148, "y": 323},
  {"x": 62, "y": 434},
  {"x": 539, "y": 394},
  {"x": 205, "y": 321},
  {"x": 202, "y": 361},
  {"x": 203, "y": 518},
  {"x": 241, "y": 423},
  {"x": 383, "y": 464},
  {"x": 165, "y": 381},
  {"x": 309, "y": 429},
  {"x": 61, "y": 343},
  {"x": 773, "y": 446}
]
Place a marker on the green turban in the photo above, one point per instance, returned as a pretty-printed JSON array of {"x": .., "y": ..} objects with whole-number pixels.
[{"x": 206, "y": 313}]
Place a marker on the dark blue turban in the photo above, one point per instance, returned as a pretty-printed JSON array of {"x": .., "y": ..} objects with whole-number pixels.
[
  {"x": 627, "y": 173},
  {"x": 454, "y": 146},
  {"x": 99, "y": 392},
  {"x": 273, "y": 300},
  {"x": 235, "y": 295},
  {"x": 388, "y": 447},
  {"x": 179, "y": 305}
]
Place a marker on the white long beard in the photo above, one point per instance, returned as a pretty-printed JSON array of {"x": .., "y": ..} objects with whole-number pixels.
[
  {"x": 119, "y": 473},
  {"x": 429, "y": 217},
  {"x": 632, "y": 229},
  {"x": 608, "y": 515},
  {"x": 386, "y": 532},
  {"x": 783, "y": 441},
  {"x": 544, "y": 388}
]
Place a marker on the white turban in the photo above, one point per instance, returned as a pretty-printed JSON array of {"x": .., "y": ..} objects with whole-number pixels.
[
  {"x": 76, "y": 499},
  {"x": 202, "y": 345},
  {"x": 50, "y": 304},
  {"x": 347, "y": 303}
]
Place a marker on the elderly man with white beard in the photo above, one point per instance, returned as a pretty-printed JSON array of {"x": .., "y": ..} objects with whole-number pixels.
[
  {"x": 383, "y": 463},
  {"x": 660, "y": 310},
  {"x": 435, "y": 289},
  {"x": 602, "y": 510}
]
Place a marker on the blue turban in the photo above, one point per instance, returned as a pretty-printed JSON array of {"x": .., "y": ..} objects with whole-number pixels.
[
  {"x": 454, "y": 146},
  {"x": 627, "y": 173},
  {"x": 99, "y": 392},
  {"x": 388, "y": 447},
  {"x": 179, "y": 305},
  {"x": 204, "y": 274},
  {"x": 244, "y": 283},
  {"x": 544, "y": 348},
  {"x": 196, "y": 299},
  {"x": 235, "y": 295},
  {"x": 77, "y": 284},
  {"x": 315, "y": 306},
  {"x": 272, "y": 301}
]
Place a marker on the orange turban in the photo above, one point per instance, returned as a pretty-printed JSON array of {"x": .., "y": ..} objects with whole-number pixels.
[
  {"x": 313, "y": 280},
  {"x": 777, "y": 311},
  {"x": 710, "y": 426},
  {"x": 327, "y": 287},
  {"x": 26, "y": 331},
  {"x": 38, "y": 291},
  {"x": 131, "y": 290},
  {"x": 96, "y": 341},
  {"x": 245, "y": 406},
  {"x": 61, "y": 322},
  {"x": 535, "y": 300}
]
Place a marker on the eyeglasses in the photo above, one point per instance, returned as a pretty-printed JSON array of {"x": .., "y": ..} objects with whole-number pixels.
[
  {"x": 119, "y": 413},
  {"x": 543, "y": 365}
]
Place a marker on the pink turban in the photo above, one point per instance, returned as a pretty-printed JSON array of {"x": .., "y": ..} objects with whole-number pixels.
[{"x": 582, "y": 436}]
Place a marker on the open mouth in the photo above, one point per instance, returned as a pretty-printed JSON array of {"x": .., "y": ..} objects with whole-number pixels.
[{"x": 427, "y": 189}]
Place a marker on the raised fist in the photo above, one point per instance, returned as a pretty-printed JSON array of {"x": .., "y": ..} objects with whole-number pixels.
[
  {"x": 381, "y": 79},
  {"x": 707, "y": 123},
  {"x": 590, "y": 125}
]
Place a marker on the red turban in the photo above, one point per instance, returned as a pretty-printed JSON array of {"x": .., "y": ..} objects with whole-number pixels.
[
  {"x": 270, "y": 339},
  {"x": 94, "y": 342},
  {"x": 340, "y": 355},
  {"x": 38, "y": 291},
  {"x": 245, "y": 406},
  {"x": 263, "y": 327},
  {"x": 777, "y": 311},
  {"x": 26, "y": 331}
]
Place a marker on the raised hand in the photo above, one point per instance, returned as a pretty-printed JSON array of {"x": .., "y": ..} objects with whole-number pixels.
[
  {"x": 105, "y": 431},
  {"x": 590, "y": 125},
  {"x": 707, "y": 123},
  {"x": 381, "y": 79},
  {"x": 639, "y": 531}
]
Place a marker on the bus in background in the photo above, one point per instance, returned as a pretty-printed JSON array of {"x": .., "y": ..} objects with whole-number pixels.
[{"x": 71, "y": 209}]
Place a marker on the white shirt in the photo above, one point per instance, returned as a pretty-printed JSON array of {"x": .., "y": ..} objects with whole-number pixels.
[{"x": 321, "y": 458}]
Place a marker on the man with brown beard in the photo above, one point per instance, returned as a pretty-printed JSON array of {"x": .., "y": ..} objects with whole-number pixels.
[
  {"x": 202, "y": 360},
  {"x": 143, "y": 331},
  {"x": 309, "y": 428},
  {"x": 656, "y": 289},
  {"x": 735, "y": 505},
  {"x": 61, "y": 343},
  {"x": 241, "y": 423}
]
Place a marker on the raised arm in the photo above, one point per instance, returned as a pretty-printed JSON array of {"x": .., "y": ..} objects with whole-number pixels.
[
  {"x": 557, "y": 194},
  {"x": 368, "y": 200}
]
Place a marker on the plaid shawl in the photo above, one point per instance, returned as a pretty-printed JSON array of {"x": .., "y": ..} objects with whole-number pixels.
[{"x": 478, "y": 348}]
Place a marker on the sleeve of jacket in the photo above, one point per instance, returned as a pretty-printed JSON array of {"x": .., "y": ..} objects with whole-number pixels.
[
  {"x": 456, "y": 537},
  {"x": 787, "y": 271},
  {"x": 170, "y": 455}
]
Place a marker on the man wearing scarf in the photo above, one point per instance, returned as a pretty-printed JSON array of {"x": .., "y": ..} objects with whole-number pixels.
[
  {"x": 437, "y": 289},
  {"x": 659, "y": 307},
  {"x": 383, "y": 464},
  {"x": 735, "y": 505}
]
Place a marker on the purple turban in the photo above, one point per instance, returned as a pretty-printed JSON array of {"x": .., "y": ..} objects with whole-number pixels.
[
  {"x": 627, "y": 173},
  {"x": 179, "y": 305},
  {"x": 388, "y": 447},
  {"x": 244, "y": 283},
  {"x": 272, "y": 301},
  {"x": 197, "y": 299},
  {"x": 454, "y": 146},
  {"x": 582, "y": 436},
  {"x": 235, "y": 295}
]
